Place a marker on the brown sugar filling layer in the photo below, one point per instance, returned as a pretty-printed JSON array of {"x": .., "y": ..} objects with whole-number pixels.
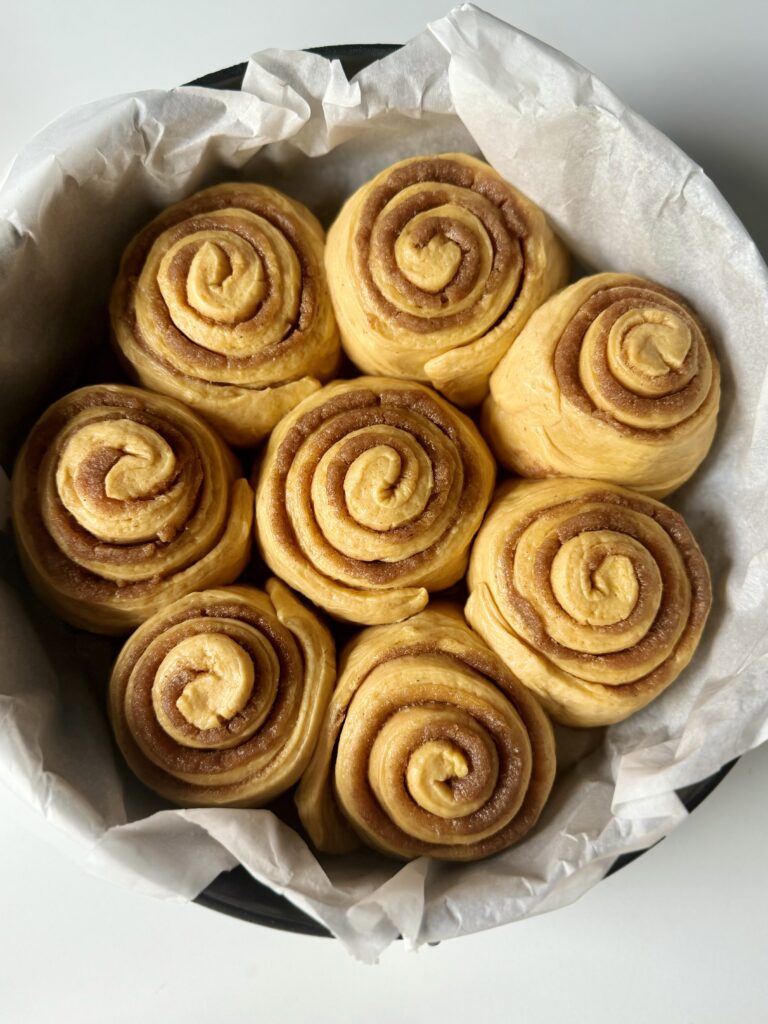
[
  {"x": 516, "y": 767},
  {"x": 681, "y": 391},
  {"x": 666, "y": 623},
  {"x": 139, "y": 678},
  {"x": 198, "y": 213},
  {"x": 80, "y": 545},
  {"x": 355, "y": 446},
  {"x": 60, "y": 541},
  {"x": 332, "y": 421},
  {"x": 178, "y": 270},
  {"x": 496, "y": 208}
]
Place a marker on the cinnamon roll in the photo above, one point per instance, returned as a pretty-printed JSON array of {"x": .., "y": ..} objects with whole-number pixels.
[
  {"x": 614, "y": 378},
  {"x": 123, "y": 500},
  {"x": 430, "y": 746},
  {"x": 221, "y": 301},
  {"x": 369, "y": 495},
  {"x": 595, "y": 596},
  {"x": 434, "y": 267},
  {"x": 218, "y": 699}
]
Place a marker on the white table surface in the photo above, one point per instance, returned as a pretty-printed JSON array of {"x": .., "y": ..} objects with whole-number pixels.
[{"x": 681, "y": 935}]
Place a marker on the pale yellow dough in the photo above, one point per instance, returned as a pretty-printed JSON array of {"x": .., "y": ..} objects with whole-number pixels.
[
  {"x": 124, "y": 500},
  {"x": 368, "y": 496},
  {"x": 221, "y": 301},
  {"x": 595, "y": 596},
  {"x": 614, "y": 378},
  {"x": 218, "y": 699},
  {"x": 429, "y": 747},
  {"x": 434, "y": 267}
]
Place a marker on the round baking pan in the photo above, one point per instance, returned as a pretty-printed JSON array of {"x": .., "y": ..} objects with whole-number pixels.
[{"x": 236, "y": 892}]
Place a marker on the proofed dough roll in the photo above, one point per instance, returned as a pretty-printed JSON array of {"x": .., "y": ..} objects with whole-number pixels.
[
  {"x": 218, "y": 699},
  {"x": 430, "y": 746},
  {"x": 612, "y": 379},
  {"x": 369, "y": 495},
  {"x": 434, "y": 267},
  {"x": 595, "y": 596},
  {"x": 222, "y": 301},
  {"x": 124, "y": 500}
]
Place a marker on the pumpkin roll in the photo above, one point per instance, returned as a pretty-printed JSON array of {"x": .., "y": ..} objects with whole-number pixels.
[
  {"x": 221, "y": 301},
  {"x": 430, "y": 746},
  {"x": 368, "y": 497},
  {"x": 614, "y": 378},
  {"x": 123, "y": 500},
  {"x": 434, "y": 267},
  {"x": 218, "y": 699},
  {"x": 595, "y": 596}
]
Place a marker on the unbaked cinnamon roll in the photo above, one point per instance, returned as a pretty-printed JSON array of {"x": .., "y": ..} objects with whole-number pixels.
[
  {"x": 430, "y": 746},
  {"x": 434, "y": 267},
  {"x": 594, "y": 596},
  {"x": 123, "y": 500},
  {"x": 614, "y": 378},
  {"x": 221, "y": 301},
  {"x": 369, "y": 495},
  {"x": 218, "y": 699}
]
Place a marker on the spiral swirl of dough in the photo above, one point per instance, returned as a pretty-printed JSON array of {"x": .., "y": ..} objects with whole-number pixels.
[
  {"x": 434, "y": 266},
  {"x": 221, "y": 301},
  {"x": 124, "y": 500},
  {"x": 612, "y": 379},
  {"x": 595, "y": 596},
  {"x": 218, "y": 699},
  {"x": 369, "y": 495},
  {"x": 430, "y": 746}
]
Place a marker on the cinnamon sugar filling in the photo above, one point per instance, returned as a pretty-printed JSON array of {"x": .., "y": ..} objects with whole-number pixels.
[
  {"x": 174, "y": 758},
  {"x": 667, "y": 616},
  {"x": 509, "y": 757},
  {"x": 325, "y": 425},
  {"x": 685, "y": 388},
  {"x": 495, "y": 207},
  {"x": 198, "y": 214},
  {"x": 77, "y": 542}
]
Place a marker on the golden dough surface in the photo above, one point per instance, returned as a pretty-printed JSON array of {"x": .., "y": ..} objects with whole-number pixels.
[
  {"x": 217, "y": 700},
  {"x": 614, "y": 378},
  {"x": 594, "y": 595},
  {"x": 221, "y": 301},
  {"x": 430, "y": 746},
  {"x": 434, "y": 266},
  {"x": 123, "y": 500},
  {"x": 368, "y": 496}
]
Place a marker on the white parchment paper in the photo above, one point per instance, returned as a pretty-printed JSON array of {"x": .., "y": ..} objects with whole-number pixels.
[{"x": 624, "y": 198}]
